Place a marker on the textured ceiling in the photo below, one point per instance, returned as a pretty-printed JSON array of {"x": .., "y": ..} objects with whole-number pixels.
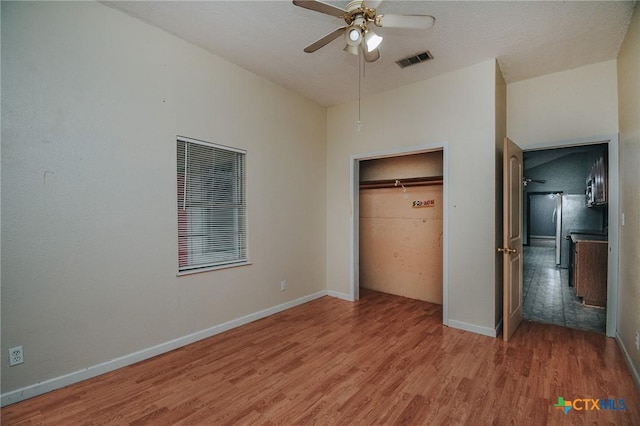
[{"x": 529, "y": 39}]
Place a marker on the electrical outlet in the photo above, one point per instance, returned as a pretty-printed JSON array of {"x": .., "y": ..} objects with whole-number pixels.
[
  {"x": 16, "y": 356},
  {"x": 637, "y": 340},
  {"x": 283, "y": 285}
]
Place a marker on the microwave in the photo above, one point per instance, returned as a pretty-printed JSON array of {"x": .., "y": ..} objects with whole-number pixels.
[{"x": 591, "y": 193}]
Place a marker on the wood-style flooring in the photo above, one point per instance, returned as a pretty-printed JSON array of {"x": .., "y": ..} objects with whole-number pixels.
[{"x": 382, "y": 360}]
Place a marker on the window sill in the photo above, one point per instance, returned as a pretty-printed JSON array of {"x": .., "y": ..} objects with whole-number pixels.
[{"x": 213, "y": 268}]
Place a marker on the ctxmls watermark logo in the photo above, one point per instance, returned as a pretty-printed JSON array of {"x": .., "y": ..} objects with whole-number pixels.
[{"x": 589, "y": 404}]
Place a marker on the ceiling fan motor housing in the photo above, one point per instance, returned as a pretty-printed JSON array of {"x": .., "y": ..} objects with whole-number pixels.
[
  {"x": 354, "y": 5},
  {"x": 356, "y": 10}
]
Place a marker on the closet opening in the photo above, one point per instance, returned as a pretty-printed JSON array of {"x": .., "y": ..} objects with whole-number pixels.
[{"x": 401, "y": 225}]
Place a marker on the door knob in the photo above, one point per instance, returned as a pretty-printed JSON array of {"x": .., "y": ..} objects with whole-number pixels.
[{"x": 507, "y": 250}]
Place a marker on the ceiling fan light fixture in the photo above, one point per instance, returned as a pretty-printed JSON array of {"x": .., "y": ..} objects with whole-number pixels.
[
  {"x": 353, "y": 49},
  {"x": 372, "y": 40},
  {"x": 353, "y": 35}
]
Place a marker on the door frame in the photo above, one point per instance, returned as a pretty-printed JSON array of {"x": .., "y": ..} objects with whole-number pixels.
[
  {"x": 354, "y": 225},
  {"x": 613, "y": 207}
]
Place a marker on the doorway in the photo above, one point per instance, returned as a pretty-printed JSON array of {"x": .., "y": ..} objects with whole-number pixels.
[
  {"x": 405, "y": 188},
  {"x": 556, "y": 211}
]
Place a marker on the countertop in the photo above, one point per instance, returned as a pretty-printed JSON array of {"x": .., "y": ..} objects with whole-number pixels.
[{"x": 593, "y": 238}]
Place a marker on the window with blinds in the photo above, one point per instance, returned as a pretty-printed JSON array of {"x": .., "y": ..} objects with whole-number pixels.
[{"x": 212, "y": 228}]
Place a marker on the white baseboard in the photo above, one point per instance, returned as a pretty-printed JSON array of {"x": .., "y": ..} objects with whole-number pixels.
[
  {"x": 627, "y": 358},
  {"x": 498, "y": 328},
  {"x": 486, "y": 331},
  {"x": 339, "y": 295},
  {"x": 105, "y": 367}
]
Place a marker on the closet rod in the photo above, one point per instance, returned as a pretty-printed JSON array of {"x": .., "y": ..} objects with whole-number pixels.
[{"x": 391, "y": 183}]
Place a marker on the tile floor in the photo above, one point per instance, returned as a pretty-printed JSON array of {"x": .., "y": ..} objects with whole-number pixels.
[{"x": 548, "y": 297}]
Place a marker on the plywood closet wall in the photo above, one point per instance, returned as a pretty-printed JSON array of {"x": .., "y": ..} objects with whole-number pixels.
[{"x": 401, "y": 245}]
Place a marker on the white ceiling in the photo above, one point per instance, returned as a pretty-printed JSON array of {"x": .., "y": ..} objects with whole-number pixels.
[{"x": 529, "y": 39}]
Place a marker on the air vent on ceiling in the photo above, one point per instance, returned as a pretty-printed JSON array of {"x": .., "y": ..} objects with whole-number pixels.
[{"x": 415, "y": 59}]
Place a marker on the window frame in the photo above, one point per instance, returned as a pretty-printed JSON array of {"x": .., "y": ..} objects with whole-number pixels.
[{"x": 242, "y": 224}]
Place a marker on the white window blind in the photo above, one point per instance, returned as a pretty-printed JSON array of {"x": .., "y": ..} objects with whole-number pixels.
[{"x": 211, "y": 205}]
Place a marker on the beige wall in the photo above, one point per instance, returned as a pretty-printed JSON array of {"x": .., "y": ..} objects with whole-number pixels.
[
  {"x": 629, "y": 116},
  {"x": 563, "y": 106},
  {"x": 92, "y": 101},
  {"x": 457, "y": 108}
]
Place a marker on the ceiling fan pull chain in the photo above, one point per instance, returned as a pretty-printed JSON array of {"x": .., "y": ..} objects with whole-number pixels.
[{"x": 359, "y": 90}]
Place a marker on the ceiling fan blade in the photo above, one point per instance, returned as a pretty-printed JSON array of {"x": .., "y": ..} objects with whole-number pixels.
[
  {"x": 415, "y": 22},
  {"x": 321, "y": 7},
  {"x": 527, "y": 180},
  {"x": 324, "y": 40},
  {"x": 372, "y": 56}
]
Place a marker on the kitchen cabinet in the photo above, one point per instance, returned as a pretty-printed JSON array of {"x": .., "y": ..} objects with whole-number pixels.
[{"x": 588, "y": 273}]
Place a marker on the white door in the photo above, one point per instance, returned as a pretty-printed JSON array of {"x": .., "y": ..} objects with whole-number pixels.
[{"x": 512, "y": 238}]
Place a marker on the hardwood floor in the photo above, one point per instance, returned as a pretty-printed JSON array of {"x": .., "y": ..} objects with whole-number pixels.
[{"x": 382, "y": 360}]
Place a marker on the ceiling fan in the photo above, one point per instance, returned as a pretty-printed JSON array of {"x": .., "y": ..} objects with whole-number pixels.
[
  {"x": 527, "y": 181},
  {"x": 358, "y": 35}
]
